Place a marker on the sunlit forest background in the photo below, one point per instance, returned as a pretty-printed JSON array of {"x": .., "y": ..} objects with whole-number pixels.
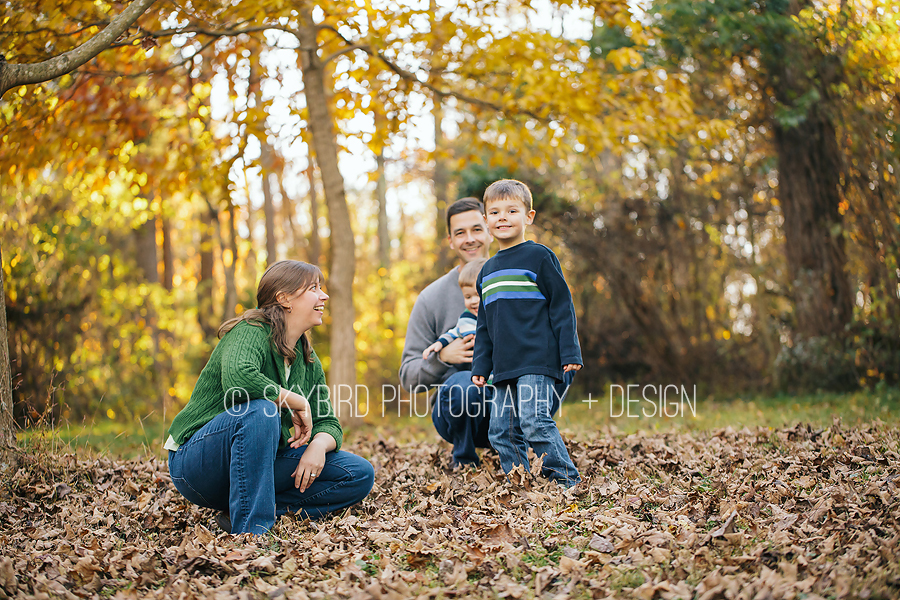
[{"x": 719, "y": 179}]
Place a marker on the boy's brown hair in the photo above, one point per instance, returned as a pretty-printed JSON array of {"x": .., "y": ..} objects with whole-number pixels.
[
  {"x": 508, "y": 189},
  {"x": 468, "y": 274}
]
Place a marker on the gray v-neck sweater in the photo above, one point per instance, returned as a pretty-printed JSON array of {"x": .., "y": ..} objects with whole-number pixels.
[{"x": 436, "y": 311}]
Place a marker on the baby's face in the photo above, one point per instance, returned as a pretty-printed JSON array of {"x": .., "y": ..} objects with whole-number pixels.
[{"x": 470, "y": 293}]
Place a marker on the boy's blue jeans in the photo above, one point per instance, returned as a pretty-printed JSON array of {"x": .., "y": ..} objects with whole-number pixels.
[
  {"x": 522, "y": 416},
  {"x": 461, "y": 413},
  {"x": 233, "y": 464}
]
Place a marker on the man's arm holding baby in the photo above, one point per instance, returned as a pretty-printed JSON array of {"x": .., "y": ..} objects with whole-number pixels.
[{"x": 421, "y": 332}]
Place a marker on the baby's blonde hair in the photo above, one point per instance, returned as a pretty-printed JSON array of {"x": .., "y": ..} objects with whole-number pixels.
[{"x": 468, "y": 274}]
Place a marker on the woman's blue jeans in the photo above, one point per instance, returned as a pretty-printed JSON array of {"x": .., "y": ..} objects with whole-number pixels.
[
  {"x": 522, "y": 416},
  {"x": 233, "y": 464}
]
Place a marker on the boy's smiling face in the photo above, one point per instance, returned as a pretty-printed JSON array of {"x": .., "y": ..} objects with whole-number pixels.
[
  {"x": 506, "y": 219},
  {"x": 470, "y": 294}
]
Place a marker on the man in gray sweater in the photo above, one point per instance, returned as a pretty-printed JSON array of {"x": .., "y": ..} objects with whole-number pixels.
[{"x": 459, "y": 408}]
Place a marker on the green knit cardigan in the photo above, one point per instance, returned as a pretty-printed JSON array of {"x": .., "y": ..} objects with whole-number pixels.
[{"x": 246, "y": 366}]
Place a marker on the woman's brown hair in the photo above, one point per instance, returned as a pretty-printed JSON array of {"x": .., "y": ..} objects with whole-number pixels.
[{"x": 285, "y": 276}]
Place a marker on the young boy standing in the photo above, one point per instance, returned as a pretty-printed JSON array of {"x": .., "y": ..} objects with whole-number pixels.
[{"x": 526, "y": 336}]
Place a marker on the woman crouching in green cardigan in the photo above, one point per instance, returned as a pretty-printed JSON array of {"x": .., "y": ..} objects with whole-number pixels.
[{"x": 231, "y": 447}]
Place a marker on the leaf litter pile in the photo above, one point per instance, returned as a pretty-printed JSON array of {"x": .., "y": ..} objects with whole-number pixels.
[{"x": 794, "y": 513}]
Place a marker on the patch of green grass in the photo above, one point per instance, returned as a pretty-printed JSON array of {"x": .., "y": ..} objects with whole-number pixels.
[
  {"x": 626, "y": 579},
  {"x": 368, "y": 567},
  {"x": 104, "y": 437},
  {"x": 539, "y": 557},
  {"x": 580, "y": 419}
]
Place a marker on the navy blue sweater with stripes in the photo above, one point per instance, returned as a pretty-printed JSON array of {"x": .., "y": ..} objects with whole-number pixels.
[{"x": 526, "y": 320}]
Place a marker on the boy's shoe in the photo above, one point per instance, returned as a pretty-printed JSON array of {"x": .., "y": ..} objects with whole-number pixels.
[{"x": 224, "y": 522}]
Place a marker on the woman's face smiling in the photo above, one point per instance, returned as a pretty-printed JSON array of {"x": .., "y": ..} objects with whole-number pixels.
[{"x": 307, "y": 307}]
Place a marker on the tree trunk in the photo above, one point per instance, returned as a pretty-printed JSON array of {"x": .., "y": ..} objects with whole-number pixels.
[
  {"x": 384, "y": 238},
  {"x": 229, "y": 260},
  {"x": 268, "y": 203},
  {"x": 288, "y": 216},
  {"x": 146, "y": 252},
  {"x": 384, "y": 243},
  {"x": 147, "y": 258},
  {"x": 315, "y": 243},
  {"x": 808, "y": 174},
  {"x": 168, "y": 256},
  {"x": 809, "y": 168},
  {"x": 209, "y": 222},
  {"x": 342, "y": 372},
  {"x": 441, "y": 191},
  {"x": 252, "y": 258},
  {"x": 7, "y": 425}
]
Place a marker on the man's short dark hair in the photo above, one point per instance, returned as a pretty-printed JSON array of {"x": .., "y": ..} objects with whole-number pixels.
[{"x": 463, "y": 205}]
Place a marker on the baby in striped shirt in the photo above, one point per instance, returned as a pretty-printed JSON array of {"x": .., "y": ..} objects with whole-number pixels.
[{"x": 465, "y": 326}]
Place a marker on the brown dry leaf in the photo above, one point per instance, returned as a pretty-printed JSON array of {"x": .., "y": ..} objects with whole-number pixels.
[
  {"x": 568, "y": 565},
  {"x": 7, "y": 575},
  {"x": 237, "y": 555},
  {"x": 727, "y": 526}
]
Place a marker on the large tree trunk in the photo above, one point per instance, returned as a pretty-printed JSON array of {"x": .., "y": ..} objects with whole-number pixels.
[
  {"x": 809, "y": 168},
  {"x": 808, "y": 174},
  {"x": 342, "y": 372},
  {"x": 7, "y": 426}
]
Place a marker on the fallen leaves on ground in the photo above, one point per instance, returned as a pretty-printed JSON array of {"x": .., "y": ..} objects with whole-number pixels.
[{"x": 794, "y": 513}]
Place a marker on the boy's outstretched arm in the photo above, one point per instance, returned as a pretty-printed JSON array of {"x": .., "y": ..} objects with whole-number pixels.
[{"x": 562, "y": 313}]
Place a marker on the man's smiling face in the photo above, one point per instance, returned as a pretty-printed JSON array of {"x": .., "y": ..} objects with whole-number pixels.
[{"x": 469, "y": 236}]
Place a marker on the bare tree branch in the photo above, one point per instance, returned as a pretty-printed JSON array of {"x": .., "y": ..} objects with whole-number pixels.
[{"x": 14, "y": 75}]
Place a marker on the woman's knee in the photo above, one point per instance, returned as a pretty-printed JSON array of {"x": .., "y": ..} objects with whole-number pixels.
[
  {"x": 261, "y": 418},
  {"x": 367, "y": 478},
  {"x": 362, "y": 473}
]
